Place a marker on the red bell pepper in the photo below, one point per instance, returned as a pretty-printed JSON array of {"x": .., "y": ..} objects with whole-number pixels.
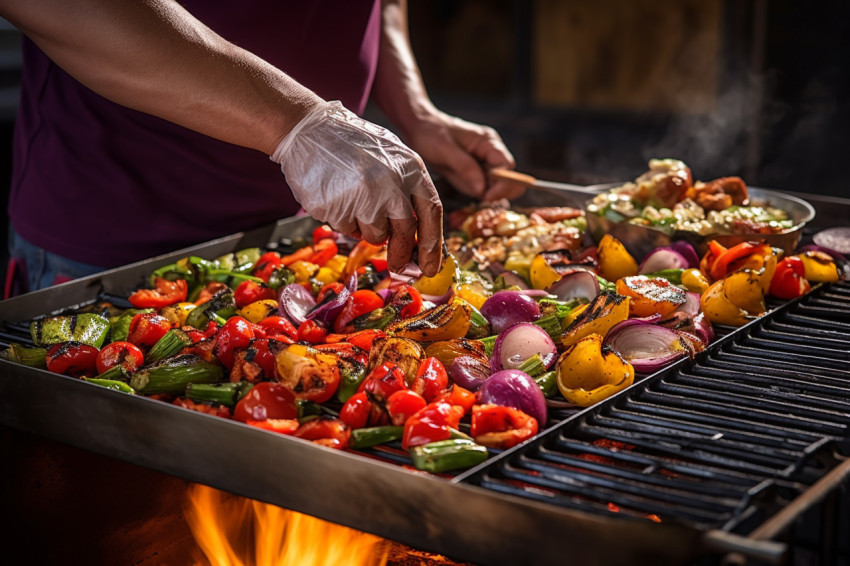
[
  {"x": 277, "y": 326},
  {"x": 431, "y": 379},
  {"x": 458, "y": 396},
  {"x": 383, "y": 381},
  {"x": 403, "y": 404},
  {"x": 355, "y": 412},
  {"x": 327, "y": 431},
  {"x": 362, "y": 338},
  {"x": 249, "y": 292},
  {"x": 282, "y": 426},
  {"x": 267, "y": 263},
  {"x": 407, "y": 300},
  {"x": 322, "y": 232},
  {"x": 164, "y": 293},
  {"x": 497, "y": 426},
  {"x": 361, "y": 302},
  {"x": 312, "y": 332},
  {"x": 147, "y": 328},
  {"x": 266, "y": 400},
  {"x": 72, "y": 358},
  {"x": 789, "y": 279},
  {"x": 432, "y": 423}
]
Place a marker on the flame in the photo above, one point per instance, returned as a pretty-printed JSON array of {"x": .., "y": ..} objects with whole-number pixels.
[{"x": 236, "y": 531}]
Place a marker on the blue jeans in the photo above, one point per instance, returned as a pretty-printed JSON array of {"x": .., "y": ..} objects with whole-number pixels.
[{"x": 32, "y": 268}]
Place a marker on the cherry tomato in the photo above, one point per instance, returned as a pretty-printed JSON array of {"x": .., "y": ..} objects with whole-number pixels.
[
  {"x": 266, "y": 400},
  {"x": 147, "y": 328},
  {"x": 125, "y": 353},
  {"x": 275, "y": 326},
  {"x": 355, "y": 412},
  {"x": 407, "y": 300},
  {"x": 383, "y": 381},
  {"x": 235, "y": 334},
  {"x": 431, "y": 423},
  {"x": 361, "y": 302},
  {"x": 327, "y": 431},
  {"x": 789, "y": 279},
  {"x": 310, "y": 331},
  {"x": 403, "y": 404},
  {"x": 249, "y": 292},
  {"x": 267, "y": 263},
  {"x": 165, "y": 293},
  {"x": 431, "y": 379},
  {"x": 498, "y": 426},
  {"x": 322, "y": 232},
  {"x": 72, "y": 358}
]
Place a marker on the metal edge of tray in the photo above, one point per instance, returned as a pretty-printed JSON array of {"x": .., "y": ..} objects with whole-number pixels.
[{"x": 426, "y": 512}]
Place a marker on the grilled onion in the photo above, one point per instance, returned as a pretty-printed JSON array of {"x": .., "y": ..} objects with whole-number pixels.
[{"x": 648, "y": 347}]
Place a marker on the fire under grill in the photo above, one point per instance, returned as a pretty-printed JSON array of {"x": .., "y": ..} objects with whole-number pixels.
[{"x": 716, "y": 456}]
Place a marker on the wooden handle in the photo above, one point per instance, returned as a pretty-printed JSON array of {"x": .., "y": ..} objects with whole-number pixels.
[{"x": 515, "y": 176}]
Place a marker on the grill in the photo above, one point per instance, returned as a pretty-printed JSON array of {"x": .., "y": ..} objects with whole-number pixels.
[{"x": 727, "y": 451}]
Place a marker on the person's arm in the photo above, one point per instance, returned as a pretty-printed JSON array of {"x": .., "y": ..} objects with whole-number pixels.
[
  {"x": 154, "y": 56},
  {"x": 459, "y": 150}
]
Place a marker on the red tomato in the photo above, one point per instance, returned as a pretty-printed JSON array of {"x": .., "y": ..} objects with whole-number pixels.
[
  {"x": 72, "y": 358},
  {"x": 283, "y": 426},
  {"x": 361, "y": 302},
  {"x": 275, "y": 326},
  {"x": 236, "y": 333},
  {"x": 789, "y": 279},
  {"x": 165, "y": 293},
  {"x": 327, "y": 431},
  {"x": 498, "y": 426},
  {"x": 431, "y": 379},
  {"x": 249, "y": 292},
  {"x": 125, "y": 353},
  {"x": 266, "y": 400},
  {"x": 407, "y": 300},
  {"x": 322, "y": 232},
  {"x": 383, "y": 381},
  {"x": 310, "y": 331},
  {"x": 403, "y": 404},
  {"x": 267, "y": 263},
  {"x": 355, "y": 412},
  {"x": 430, "y": 424},
  {"x": 147, "y": 328}
]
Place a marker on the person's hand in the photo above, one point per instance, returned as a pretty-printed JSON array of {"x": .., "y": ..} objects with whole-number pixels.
[
  {"x": 463, "y": 152},
  {"x": 363, "y": 181}
]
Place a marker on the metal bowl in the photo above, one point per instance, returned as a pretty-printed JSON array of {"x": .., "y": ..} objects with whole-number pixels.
[{"x": 640, "y": 240}]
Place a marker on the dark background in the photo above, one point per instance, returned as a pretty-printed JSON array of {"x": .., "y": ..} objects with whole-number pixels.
[{"x": 587, "y": 91}]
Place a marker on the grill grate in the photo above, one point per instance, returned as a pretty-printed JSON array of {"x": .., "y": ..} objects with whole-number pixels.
[{"x": 712, "y": 442}]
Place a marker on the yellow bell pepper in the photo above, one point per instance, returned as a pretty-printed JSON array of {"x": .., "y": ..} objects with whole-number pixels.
[
  {"x": 520, "y": 264},
  {"x": 820, "y": 268},
  {"x": 177, "y": 313},
  {"x": 588, "y": 372},
  {"x": 615, "y": 262},
  {"x": 606, "y": 310},
  {"x": 258, "y": 310},
  {"x": 332, "y": 271},
  {"x": 694, "y": 281},
  {"x": 736, "y": 299},
  {"x": 303, "y": 270},
  {"x": 443, "y": 322},
  {"x": 439, "y": 284}
]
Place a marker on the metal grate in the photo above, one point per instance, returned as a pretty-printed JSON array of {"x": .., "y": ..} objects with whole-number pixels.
[{"x": 713, "y": 442}]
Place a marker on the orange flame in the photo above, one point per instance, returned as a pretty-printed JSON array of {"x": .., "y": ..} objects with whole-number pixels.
[{"x": 236, "y": 531}]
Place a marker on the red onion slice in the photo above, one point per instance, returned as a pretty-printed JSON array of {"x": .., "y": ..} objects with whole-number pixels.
[
  {"x": 691, "y": 304},
  {"x": 646, "y": 346},
  {"x": 578, "y": 284},
  {"x": 469, "y": 372},
  {"x": 514, "y": 388},
  {"x": 687, "y": 251},
  {"x": 521, "y": 341},
  {"x": 511, "y": 279},
  {"x": 506, "y": 308},
  {"x": 660, "y": 259},
  {"x": 294, "y": 301},
  {"x": 326, "y": 313}
]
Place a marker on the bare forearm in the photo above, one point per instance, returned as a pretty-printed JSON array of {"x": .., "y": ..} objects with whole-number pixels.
[
  {"x": 153, "y": 56},
  {"x": 399, "y": 90}
]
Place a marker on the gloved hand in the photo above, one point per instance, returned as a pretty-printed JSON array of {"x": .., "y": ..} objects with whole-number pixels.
[{"x": 364, "y": 182}]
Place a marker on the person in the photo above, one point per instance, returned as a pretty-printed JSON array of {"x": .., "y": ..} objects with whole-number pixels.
[{"x": 147, "y": 125}]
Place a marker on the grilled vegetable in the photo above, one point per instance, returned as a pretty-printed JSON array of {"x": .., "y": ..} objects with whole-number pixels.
[
  {"x": 32, "y": 357},
  {"x": 111, "y": 384},
  {"x": 604, "y": 312},
  {"x": 498, "y": 426},
  {"x": 432, "y": 423},
  {"x": 147, "y": 328},
  {"x": 172, "y": 342},
  {"x": 221, "y": 306},
  {"x": 819, "y": 267},
  {"x": 651, "y": 295},
  {"x": 119, "y": 328},
  {"x": 372, "y": 436},
  {"x": 446, "y": 455},
  {"x": 444, "y": 322},
  {"x": 86, "y": 328},
  {"x": 614, "y": 261},
  {"x": 589, "y": 372},
  {"x": 164, "y": 293},
  {"x": 403, "y": 352},
  {"x": 309, "y": 373},
  {"x": 125, "y": 354},
  {"x": 174, "y": 374},
  {"x": 71, "y": 358},
  {"x": 227, "y": 394}
]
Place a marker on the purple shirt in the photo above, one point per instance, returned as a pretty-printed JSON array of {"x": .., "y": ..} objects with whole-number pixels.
[{"x": 99, "y": 183}]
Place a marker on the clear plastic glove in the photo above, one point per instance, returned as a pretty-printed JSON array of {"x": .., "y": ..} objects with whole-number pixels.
[{"x": 363, "y": 181}]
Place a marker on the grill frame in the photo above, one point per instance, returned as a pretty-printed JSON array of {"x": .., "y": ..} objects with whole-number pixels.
[{"x": 410, "y": 507}]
